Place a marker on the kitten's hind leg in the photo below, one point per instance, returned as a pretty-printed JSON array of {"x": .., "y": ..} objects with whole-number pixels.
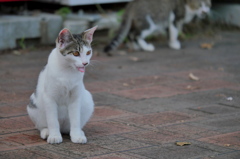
[
  {"x": 38, "y": 117},
  {"x": 145, "y": 33},
  {"x": 36, "y": 114},
  {"x": 173, "y": 32},
  {"x": 87, "y": 108},
  {"x": 133, "y": 45},
  {"x": 144, "y": 45},
  {"x": 44, "y": 133}
]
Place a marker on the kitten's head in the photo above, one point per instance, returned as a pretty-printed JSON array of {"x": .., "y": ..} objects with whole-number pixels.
[
  {"x": 76, "y": 48},
  {"x": 199, "y": 7}
]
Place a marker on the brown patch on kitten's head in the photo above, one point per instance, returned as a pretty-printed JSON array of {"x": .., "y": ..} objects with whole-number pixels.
[{"x": 67, "y": 42}]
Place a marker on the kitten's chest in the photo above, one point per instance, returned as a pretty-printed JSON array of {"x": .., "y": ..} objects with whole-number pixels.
[
  {"x": 67, "y": 80},
  {"x": 67, "y": 90}
]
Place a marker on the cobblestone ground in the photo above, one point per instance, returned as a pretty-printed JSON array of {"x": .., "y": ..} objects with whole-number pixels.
[{"x": 145, "y": 103}]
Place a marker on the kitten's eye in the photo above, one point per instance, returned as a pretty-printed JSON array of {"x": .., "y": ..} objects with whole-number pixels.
[
  {"x": 89, "y": 52},
  {"x": 76, "y": 53}
]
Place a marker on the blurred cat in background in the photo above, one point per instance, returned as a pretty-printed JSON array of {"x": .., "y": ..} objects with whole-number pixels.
[{"x": 143, "y": 18}]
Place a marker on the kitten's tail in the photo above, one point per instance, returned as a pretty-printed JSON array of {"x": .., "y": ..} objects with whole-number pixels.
[{"x": 121, "y": 34}]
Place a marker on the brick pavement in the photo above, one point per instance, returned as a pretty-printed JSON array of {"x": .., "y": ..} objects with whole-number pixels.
[{"x": 142, "y": 107}]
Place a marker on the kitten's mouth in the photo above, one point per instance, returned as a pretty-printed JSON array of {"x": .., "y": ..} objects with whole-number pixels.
[{"x": 81, "y": 69}]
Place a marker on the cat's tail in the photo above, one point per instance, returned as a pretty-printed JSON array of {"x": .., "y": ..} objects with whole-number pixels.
[{"x": 121, "y": 34}]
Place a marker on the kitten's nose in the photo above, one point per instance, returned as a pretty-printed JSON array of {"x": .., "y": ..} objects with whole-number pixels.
[{"x": 85, "y": 63}]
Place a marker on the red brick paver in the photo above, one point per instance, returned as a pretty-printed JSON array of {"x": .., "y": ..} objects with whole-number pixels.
[{"x": 231, "y": 140}]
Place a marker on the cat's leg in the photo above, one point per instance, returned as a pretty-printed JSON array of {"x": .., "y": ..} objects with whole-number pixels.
[
  {"x": 144, "y": 45},
  {"x": 173, "y": 34},
  {"x": 51, "y": 110},
  {"x": 44, "y": 133},
  {"x": 78, "y": 117},
  {"x": 39, "y": 120},
  {"x": 134, "y": 46},
  {"x": 133, "y": 42},
  {"x": 85, "y": 112},
  {"x": 145, "y": 33},
  {"x": 179, "y": 25},
  {"x": 38, "y": 117},
  {"x": 76, "y": 133}
]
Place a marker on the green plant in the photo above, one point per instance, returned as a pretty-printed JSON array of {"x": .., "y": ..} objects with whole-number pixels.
[
  {"x": 22, "y": 43},
  {"x": 120, "y": 14},
  {"x": 64, "y": 11}
]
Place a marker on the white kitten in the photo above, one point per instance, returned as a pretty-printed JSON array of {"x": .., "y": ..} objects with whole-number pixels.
[{"x": 61, "y": 104}]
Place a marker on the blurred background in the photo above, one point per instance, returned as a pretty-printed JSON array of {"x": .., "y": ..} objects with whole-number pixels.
[{"x": 27, "y": 24}]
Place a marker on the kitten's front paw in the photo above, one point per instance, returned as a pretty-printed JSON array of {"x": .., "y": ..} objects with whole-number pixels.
[
  {"x": 54, "y": 139},
  {"x": 175, "y": 45},
  {"x": 79, "y": 138}
]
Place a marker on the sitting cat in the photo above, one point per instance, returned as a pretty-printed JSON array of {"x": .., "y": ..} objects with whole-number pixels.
[
  {"x": 61, "y": 104},
  {"x": 143, "y": 18}
]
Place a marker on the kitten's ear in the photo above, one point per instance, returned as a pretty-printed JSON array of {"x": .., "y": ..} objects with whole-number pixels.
[
  {"x": 64, "y": 38},
  {"x": 88, "y": 34}
]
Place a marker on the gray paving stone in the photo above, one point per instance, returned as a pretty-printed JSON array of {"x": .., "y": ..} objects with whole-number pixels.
[
  {"x": 106, "y": 99},
  {"x": 75, "y": 150},
  {"x": 176, "y": 152},
  {"x": 229, "y": 155},
  {"x": 21, "y": 154},
  {"x": 186, "y": 101},
  {"x": 216, "y": 109},
  {"x": 221, "y": 123},
  {"x": 195, "y": 150},
  {"x": 117, "y": 143}
]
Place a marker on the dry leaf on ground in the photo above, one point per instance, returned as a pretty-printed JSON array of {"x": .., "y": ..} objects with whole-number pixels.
[
  {"x": 221, "y": 95},
  {"x": 227, "y": 145},
  {"x": 133, "y": 58},
  {"x": 206, "y": 46},
  {"x": 189, "y": 87},
  {"x": 193, "y": 77},
  {"x": 182, "y": 143},
  {"x": 125, "y": 84}
]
